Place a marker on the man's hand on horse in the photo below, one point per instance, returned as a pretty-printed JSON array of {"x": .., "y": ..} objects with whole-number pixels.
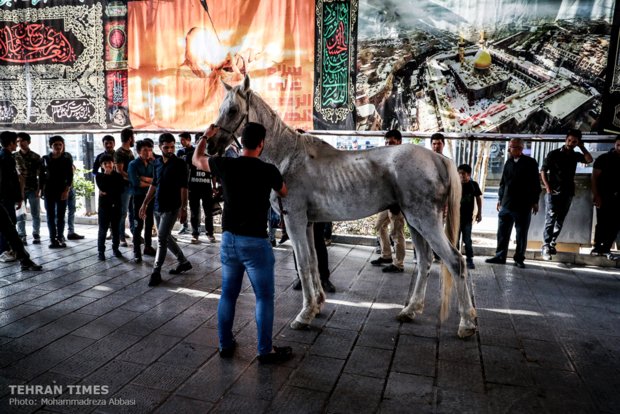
[{"x": 211, "y": 131}]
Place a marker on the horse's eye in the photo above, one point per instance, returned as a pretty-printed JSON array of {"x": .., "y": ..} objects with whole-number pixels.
[{"x": 233, "y": 111}]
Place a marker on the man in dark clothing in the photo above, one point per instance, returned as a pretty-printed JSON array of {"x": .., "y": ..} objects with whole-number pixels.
[
  {"x": 185, "y": 153},
  {"x": 57, "y": 181},
  {"x": 7, "y": 230},
  {"x": 31, "y": 169},
  {"x": 141, "y": 176},
  {"x": 470, "y": 193},
  {"x": 247, "y": 183},
  {"x": 122, "y": 157},
  {"x": 558, "y": 176},
  {"x": 110, "y": 184},
  {"x": 606, "y": 195},
  {"x": 169, "y": 188},
  {"x": 108, "y": 149},
  {"x": 10, "y": 189},
  {"x": 519, "y": 189}
]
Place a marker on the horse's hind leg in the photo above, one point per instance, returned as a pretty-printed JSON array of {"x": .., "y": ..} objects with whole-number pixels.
[
  {"x": 314, "y": 266},
  {"x": 424, "y": 254}
]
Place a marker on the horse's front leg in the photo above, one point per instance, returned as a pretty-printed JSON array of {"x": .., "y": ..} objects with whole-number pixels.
[
  {"x": 424, "y": 255},
  {"x": 296, "y": 227}
]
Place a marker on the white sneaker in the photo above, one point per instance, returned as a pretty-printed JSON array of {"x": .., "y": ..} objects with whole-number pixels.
[{"x": 7, "y": 257}]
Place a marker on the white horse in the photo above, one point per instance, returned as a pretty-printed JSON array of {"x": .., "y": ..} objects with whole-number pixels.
[{"x": 326, "y": 184}]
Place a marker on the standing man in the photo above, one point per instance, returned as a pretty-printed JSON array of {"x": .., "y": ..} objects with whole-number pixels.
[
  {"x": 169, "y": 188},
  {"x": 606, "y": 195},
  {"x": 58, "y": 179},
  {"x": 71, "y": 206},
  {"x": 185, "y": 153},
  {"x": 122, "y": 157},
  {"x": 393, "y": 137},
  {"x": 558, "y": 177},
  {"x": 10, "y": 188},
  {"x": 30, "y": 168},
  {"x": 517, "y": 199},
  {"x": 140, "y": 173},
  {"x": 108, "y": 149},
  {"x": 247, "y": 183}
]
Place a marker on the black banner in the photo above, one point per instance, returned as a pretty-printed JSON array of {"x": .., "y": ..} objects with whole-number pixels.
[
  {"x": 609, "y": 120},
  {"x": 334, "y": 65},
  {"x": 63, "y": 65}
]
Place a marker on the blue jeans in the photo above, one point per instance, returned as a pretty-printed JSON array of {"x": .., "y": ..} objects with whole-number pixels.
[
  {"x": 254, "y": 255},
  {"x": 557, "y": 206},
  {"x": 521, "y": 221},
  {"x": 35, "y": 212},
  {"x": 466, "y": 237},
  {"x": 125, "y": 204},
  {"x": 165, "y": 223},
  {"x": 55, "y": 208},
  {"x": 71, "y": 212}
]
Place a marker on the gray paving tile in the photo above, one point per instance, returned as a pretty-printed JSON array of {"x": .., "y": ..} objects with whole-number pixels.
[
  {"x": 371, "y": 362},
  {"x": 134, "y": 399},
  {"x": 162, "y": 376},
  {"x": 262, "y": 381},
  {"x": 298, "y": 400},
  {"x": 317, "y": 373},
  {"x": 355, "y": 393},
  {"x": 334, "y": 343},
  {"x": 415, "y": 355},
  {"x": 182, "y": 405},
  {"x": 149, "y": 349}
]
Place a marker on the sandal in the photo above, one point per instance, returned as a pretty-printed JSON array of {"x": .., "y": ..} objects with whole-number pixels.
[{"x": 279, "y": 354}]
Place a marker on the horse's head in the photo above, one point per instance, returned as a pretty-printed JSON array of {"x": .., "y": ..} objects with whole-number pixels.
[{"x": 233, "y": 116}]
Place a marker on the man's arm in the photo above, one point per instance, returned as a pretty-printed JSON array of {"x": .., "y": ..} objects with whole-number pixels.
[
  {"x": 200, "y": 160},
  {"x": 585, "y": 152},
  {"x": 183, "y": 210},
  {"x": 543, "y": 177},
  {"x": 149, "y": 196},
  {"x": 282, "y": 192},
  {"x": 479, "y": 204}
]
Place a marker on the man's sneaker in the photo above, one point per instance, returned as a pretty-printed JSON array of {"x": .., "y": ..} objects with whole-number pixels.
[
  {"x": 195, "y": 240},
  {"x": 62, "y": 239},
  {"x": 520, "y": 264},
  {"x": 380, "y": 261},
  {"x": 596, "y": 252},
  {"x": 28, "y": 264},
  {"x": 278, "y": 355},
  {"x": 612, "y": 256},
  {"x": 54, "y": 244},
  {"x": 470, "y": 264},
  {"x": 155, "y": 279},
  {"x": 74, "y": 236},
  {"x": 117, "y": 253},
  {"x": 211, "y": 238},
  {"x": 496, "y": 260},
  {"x": 183, "y": 267},
  {"x": 228, "y": 352},
  {"x": 149, "y": 251},
  {"x": 101, "y": 256},
  {"x": 393, "y": 269},
  {"x": 184, "y": 230},
  {"x": 61, "y": 243},
  {"x": 546, "y": 253},
  {"x": 328, "y": 286},
  {"x": 36, "y": 239},
  {"x": 137, "y": 258},
  {"x": 7, "y": 257},
  {"x": 552, "y": 250}
]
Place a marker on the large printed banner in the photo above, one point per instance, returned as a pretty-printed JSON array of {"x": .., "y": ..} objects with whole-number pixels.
[
  {"x": 180, "y": 51},
  {"x": 509, "y": 66},
  {"x": 63, "y": 64}
]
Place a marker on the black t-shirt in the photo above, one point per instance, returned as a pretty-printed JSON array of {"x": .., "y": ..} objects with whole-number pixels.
[
  {"x": 609, "y": 180},
  {"x": 471, "y": 190},
  {"x": 169, "y": 178},
  {"x": 247, "y": 184},
  {"x": 58, "y": 174},
  {"x": 111, "y": 184},
  {"x": 198, "y": 180},
  {"x": 10, "y": 188},
  {"x": 124, "y": 157},
  {"x": 560, "y": 165}
]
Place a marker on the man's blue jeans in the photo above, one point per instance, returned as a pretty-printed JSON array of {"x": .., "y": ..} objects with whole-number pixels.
[
  {"x": 35, "y": 212},
  {"x": 254, "y": 255},
  {"x": 71, "y": 212},
  {"x": 125, "y": 208},
  {"x": 165, "y": 223}
]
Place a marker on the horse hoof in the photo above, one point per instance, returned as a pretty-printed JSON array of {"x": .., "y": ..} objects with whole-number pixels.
[
  {"x": 466, "y": 332},
  {"x": 299, "y": 326},
  {"x": 405, "y": 317}
]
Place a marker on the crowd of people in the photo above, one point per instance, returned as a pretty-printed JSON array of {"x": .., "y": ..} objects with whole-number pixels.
[{"x": 156, "y": 190}]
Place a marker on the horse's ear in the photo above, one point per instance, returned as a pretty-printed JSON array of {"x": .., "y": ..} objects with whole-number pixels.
[
  {"x": 246, "y": 83},
  {"x": 227, "y": 86}
]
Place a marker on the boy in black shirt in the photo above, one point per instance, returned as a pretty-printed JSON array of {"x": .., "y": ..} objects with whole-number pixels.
[
  {"x": 471, "y": 191},
  {"x": 111, "y": 185}
]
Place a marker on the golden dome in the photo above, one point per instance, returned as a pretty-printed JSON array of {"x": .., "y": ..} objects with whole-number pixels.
[{"x": 482, "y": 60}]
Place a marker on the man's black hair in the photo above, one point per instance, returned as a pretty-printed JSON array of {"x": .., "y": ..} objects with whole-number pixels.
[
  {"x": 253, "y": 134},
  {"x": 394, "y": 133},
  {"x": 7, "y": 138},
  {"x": 55, "y": 138},
  {"x": 24, "y": 136},
  {"x": 438, "y": 136},
  {"x": 143, "y": 143},
  {"x": 198, "y": 136},
  {"x": 574, "y": 133},
  {"x": 106, "y": 158},
  {"x": 108, "y": 138},
  {"x": 166, "y": 137},
  {"x": 185, "y": 135},
  {"x": 126, "y": 134},
  {"x": 465, "y": 168}
]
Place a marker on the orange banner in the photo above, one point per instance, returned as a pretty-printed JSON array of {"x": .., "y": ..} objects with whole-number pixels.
[{"x": 180, "y": 50}]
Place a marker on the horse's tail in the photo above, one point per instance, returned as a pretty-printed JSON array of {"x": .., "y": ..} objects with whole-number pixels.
[{"x": 452, "y": 231}]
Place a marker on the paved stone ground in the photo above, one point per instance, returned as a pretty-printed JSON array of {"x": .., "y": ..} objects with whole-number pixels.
[{"x": 548, "y": 339}]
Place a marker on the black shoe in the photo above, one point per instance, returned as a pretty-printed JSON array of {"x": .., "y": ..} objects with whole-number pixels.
[
  {"x": 297, "y": 284},
  {"x": 520, "y": 264},
  {"x": 279, "y": 354},
  {"x": 380, "y": 261},
  {"x": 36, "y": 239},
  {"x": 137, "y": 258},
  {"x": 28, "y": 264},
  {"x": 62, "y": 239},
  {"x": 496, "y": 260},
  {"x": 55, "y": 244},
  {"x": 273, "y": 243},
  {"x": 183, "y": 267},
  {"x": 155, "y": 279},
  {"x": 117, "y": 253},
  {"x": 612, "y": 256},
  {"x": 283, "y": 239},
  {"x": 74, "y": 236},
  {"x": 393, "y": 269},
  {"x": 101, "y": 256},
  {"x": 149, "y": 251},
  {"x": 596, "y": 252},
  {"x": 470, "y": 264},
  {"x": 329, "y": 286},
  {"x": 228, "y": 352},
  {"x": 552, "y": 250}
]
